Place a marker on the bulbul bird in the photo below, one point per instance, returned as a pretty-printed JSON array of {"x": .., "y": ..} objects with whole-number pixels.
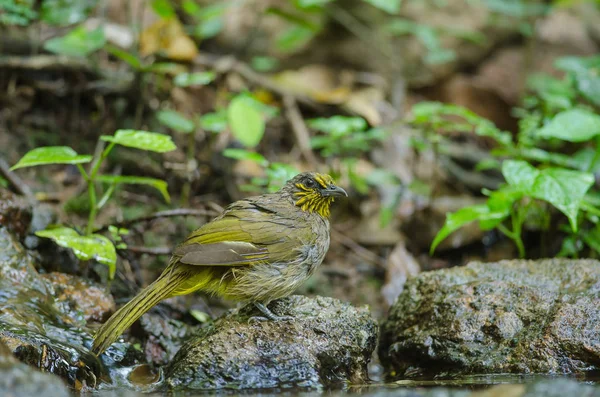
[{"x": 257, "y": 250}]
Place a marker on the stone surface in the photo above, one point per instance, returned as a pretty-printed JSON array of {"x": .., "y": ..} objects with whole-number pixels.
[
  {"x": 15, "y": 213},
  {"x": 20, "y": 380},
  {"x": 43, "y": 322},
  {"x": 506, "y": 317},
  {"x": 327, "y": 344},
  {"x": 458, "y": 388}
]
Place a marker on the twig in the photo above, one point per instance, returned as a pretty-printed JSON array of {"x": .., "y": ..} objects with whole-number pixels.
[
  {"x": 16, "y": 182},
  {"x": 160, "y": 214},
  {"x": 299, "y": 128},
  {"x": 229, "y": 64},
  {"x": 357, "y": 248},
  {"x": 150, "y": 251}
]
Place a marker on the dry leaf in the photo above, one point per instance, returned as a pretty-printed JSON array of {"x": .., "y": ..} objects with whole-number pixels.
[
  {"x": 316, "y": 81},
  {"x": 364, "y": 102},
  {"x": 401, "y": 265},
  {"x": 167, "y": 37}
]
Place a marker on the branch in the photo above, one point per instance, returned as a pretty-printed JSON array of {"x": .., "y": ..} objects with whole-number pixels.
[{"x": 160, "y": 214}]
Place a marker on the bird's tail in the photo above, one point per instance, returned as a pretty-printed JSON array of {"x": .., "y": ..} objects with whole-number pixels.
[{"x": 122, "y": 319}]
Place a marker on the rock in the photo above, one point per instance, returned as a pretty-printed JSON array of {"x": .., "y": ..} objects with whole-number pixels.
[
  {"x": 15, "y": 213},
  {"x": 506, "y": 317},
  {"x": 329, "y": 343},
  {"x": 537, "y": 388},
  {"x": 165, "y": 337},
  {"x": 43, "y": 318},
  {"x": 20, "y": 380},
  {"x": 79, "y": 295}
]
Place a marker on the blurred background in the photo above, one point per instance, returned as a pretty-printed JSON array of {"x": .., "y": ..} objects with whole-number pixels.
[{"x": 486, "y": 110}]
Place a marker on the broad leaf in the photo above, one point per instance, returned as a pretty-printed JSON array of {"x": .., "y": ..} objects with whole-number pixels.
[
  {"x": 241, "y": 154},
  {"x": 65, "y": 12},
  {"x": 77, "y": 43},
  {"x": 143, "y": 140},
  {"x": 586, "y": 72},
  {"x": 562, "y": 188},
  {"x": 163, "y": 8},
  {"x": 214, "y": 122},
  {"x": 338, "y": 125},
  {"x": 520, "y": 174},
  {"x": 194, "y": 79},
  {"x": 463, "y": 216},
  {"x": 389, "y": 6},
  {"x": 94, "y": 246},
  {"x": 246, "y": 122},
  {"x": 175, "y": 121},
  {"x": 158, "y": 184},
  {"x": 51, "y": 155},
  {"x": 574, "y": 125}
]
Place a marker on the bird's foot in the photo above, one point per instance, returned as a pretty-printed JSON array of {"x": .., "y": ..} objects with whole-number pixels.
[{"x": 269, "y": 315}]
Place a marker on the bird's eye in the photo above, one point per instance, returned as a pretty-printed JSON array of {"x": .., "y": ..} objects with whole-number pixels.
[{"x": 310, "y": 183}]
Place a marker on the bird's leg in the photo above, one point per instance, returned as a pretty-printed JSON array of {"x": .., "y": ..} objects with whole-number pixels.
[{"x": 269, "y": 315}]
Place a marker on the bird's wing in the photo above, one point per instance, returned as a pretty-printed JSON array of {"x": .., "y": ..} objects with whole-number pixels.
[{"x": 247, "y": 233}]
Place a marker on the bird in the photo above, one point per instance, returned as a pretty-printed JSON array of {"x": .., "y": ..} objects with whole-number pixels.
[{"x": 257, "y": 250}]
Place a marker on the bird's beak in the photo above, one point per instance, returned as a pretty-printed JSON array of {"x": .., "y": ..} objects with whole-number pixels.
[{"x": 334, "y": 191}]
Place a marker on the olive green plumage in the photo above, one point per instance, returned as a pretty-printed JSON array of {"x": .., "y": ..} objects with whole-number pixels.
[{"x": 258, "y": 250}]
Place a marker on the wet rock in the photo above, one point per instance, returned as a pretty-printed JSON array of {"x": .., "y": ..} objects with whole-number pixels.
[
  {"x": 78, "y": 295},
  {"x": 506, "y": 317},
  {"x": 165, "y": 337},
  {"x": 534, "y": 388},
  {"x": 15, "y": 213},
  {"x": 20, "y": 380},
  {"x": 42, "y": 321},
  {"x": 327, "y": 344}
]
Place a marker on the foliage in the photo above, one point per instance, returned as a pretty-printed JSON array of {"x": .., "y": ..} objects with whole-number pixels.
[
  {"x": 559, "y": 112},
  {"x": 91, "y": 245}
]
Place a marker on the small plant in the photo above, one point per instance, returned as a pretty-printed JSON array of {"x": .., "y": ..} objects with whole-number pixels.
[
  {"x": 561, "y": 112},
  {"x": 91, "y": 245}
]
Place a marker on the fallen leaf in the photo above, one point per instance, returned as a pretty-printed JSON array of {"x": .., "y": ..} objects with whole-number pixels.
[{"x": 166, "y": 36}]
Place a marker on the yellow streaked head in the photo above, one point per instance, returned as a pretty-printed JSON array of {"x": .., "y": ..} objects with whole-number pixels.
[{"x": 314, "y": 192}]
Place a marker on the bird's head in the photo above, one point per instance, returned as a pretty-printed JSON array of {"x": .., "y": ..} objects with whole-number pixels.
[{"x": 313, "y": 192}]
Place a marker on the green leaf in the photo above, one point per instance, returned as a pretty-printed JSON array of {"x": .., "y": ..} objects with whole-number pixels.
[
  {"x": 214, "y": 122},
  {"x": 158, "y": 184},
  {"x": 194, "y": 79},
  {"x": 294, "y": 38},
  {"x": 338, "y": 125},
  {"x": 456, "y": 220},
  {"x": 66, "y": 12},
  {"x": 264, "y": 63},
  {"x": 125, "y": 56},
  {"x": 562, "y": 188},
  {"x": 389, "y": 6},
  {"x": 586, "y": 72},
  {"x": 94, "y": 246},
  {"x": 143, "y": 140},
  {"x": 574, "y": 125},
  {"x": 241, "y": 154},
  {"x": 200, "y": 316},
  {"x": 443, "y": 116},
  {"x": 175, "y": 121},
  {"x": 77, "y": 43},
  {"x": 163, "y": 8},
  {"x": 520, "y": 174},
  {"x": 304, "y": 4},
  {"x": 246, "y": 122},
  {"x": 51, "y": 155}
]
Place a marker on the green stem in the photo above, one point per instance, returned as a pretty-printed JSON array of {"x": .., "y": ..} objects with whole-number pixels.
[
  {"x": 93, "y": 207},
  {"x": 596, "y": 156},
  {"x": 589, "y": 208},
  {"x": 91, "y": 182}
]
